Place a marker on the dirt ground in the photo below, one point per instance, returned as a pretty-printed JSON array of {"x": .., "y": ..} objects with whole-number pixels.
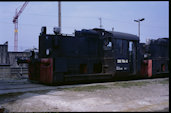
[{"x": 124, "y": 96}]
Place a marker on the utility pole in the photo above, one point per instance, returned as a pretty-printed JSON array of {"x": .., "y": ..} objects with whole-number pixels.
[
  {"x": 112, "y": 28},
  {"x": 100, "y": 22},
  {"x": 59, "y": 15}
]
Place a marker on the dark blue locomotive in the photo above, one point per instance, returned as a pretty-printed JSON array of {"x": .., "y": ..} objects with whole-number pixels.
[{"x": 95, "y": 55}]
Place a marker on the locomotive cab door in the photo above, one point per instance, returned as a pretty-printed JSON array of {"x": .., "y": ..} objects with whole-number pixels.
[
  {"x": 108, "y": 54},
  {"x": 132, "y": 56}
]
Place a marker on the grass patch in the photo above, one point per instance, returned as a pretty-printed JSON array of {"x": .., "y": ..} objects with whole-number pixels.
[
  {"x": 166, "y": 81},
  {"x": 130, "y": 84},
  {"x": 87, "y": 88},
  {"x": 124, "y": 84}
]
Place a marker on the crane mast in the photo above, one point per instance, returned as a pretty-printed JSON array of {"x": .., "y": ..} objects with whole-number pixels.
[{"x": 15, "y": 21}]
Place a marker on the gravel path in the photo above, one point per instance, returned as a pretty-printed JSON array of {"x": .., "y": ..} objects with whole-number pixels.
[{"x": 139, "y": 95}]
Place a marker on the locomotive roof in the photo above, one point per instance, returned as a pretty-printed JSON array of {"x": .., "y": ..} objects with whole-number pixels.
[
  {"x": 163, "y": 41},
  {"x": 121, "y": 35}
]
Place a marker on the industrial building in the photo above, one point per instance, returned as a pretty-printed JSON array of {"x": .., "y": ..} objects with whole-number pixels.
[{"x": 8, "y": 62}]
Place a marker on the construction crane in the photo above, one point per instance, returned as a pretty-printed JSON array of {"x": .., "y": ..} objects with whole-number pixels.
[{"x": 15, "y": 21}]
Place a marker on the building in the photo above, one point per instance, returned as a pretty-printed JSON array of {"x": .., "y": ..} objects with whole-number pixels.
[
  {"x": 8, "y": 62},
  {"x": 4, "y": 57}
]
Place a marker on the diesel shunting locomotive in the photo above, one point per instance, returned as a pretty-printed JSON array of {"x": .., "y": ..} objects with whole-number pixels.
[{"x": 96, "y": 55}]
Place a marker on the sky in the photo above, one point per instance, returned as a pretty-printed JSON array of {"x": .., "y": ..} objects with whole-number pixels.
[{"x": 119, "y": 15}]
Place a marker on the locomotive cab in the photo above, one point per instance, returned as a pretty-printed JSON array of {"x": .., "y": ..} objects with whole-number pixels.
[{"x": 126, "y": 54}]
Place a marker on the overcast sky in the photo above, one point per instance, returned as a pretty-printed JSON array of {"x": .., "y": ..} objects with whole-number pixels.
[{"x": 83, "y": 15}]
